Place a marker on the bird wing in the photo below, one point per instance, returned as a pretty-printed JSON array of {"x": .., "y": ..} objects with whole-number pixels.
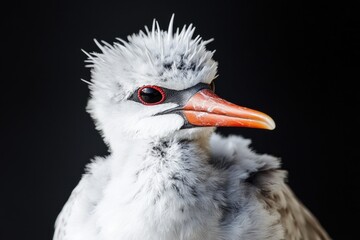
[
  {"x": 77, "y": 211},
  {"x": 61, "y": 222},
  {"x": 261, "y": 174},
  {"x": 297, "y": 221}
]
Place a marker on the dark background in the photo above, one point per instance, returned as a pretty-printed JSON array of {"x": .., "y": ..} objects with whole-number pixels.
[{"x": 295, "y": 60}]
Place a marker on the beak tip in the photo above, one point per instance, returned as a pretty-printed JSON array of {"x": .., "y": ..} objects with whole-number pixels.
[{"x": 271, "y": 124}]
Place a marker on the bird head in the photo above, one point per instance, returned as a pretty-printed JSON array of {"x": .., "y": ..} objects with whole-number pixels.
[{"x": 160, "y": 83}]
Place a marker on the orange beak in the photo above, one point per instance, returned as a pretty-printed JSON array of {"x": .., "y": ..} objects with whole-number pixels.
[{"x": 205, "y": 108}]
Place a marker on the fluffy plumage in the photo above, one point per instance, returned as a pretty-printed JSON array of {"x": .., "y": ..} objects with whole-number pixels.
[{"x": 164, "y": 182}]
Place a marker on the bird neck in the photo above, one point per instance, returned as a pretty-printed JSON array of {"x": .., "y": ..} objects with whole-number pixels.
[
  {"x": 140, "y": 162},
  {"x": 131, "y": 153}
]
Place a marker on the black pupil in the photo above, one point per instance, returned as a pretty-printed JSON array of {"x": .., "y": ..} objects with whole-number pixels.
[{"x": 150, "y": 95}]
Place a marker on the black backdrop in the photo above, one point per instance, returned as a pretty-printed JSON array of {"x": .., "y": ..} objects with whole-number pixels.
[{"x": 293, "y": 60}]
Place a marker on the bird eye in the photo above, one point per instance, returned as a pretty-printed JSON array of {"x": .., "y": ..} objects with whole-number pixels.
[
  {"x": 151, "y": 95},
  {"x": 212, "y": 86}
]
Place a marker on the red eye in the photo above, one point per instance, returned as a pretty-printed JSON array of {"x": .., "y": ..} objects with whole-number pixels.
[{"x": 151, "y": 95}]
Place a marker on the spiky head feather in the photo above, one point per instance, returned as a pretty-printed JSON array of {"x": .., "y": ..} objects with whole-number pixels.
[{"x": 169, "y": 59}]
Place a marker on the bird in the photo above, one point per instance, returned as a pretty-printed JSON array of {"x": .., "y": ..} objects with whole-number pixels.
[{"x": 169, "y": 175}]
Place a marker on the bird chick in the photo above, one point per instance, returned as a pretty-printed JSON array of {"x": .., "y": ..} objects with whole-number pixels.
[{"x": 169, "y": 176}]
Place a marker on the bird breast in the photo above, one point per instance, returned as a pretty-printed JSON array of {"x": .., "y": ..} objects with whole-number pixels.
[{"x": 167, "y": 191}]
